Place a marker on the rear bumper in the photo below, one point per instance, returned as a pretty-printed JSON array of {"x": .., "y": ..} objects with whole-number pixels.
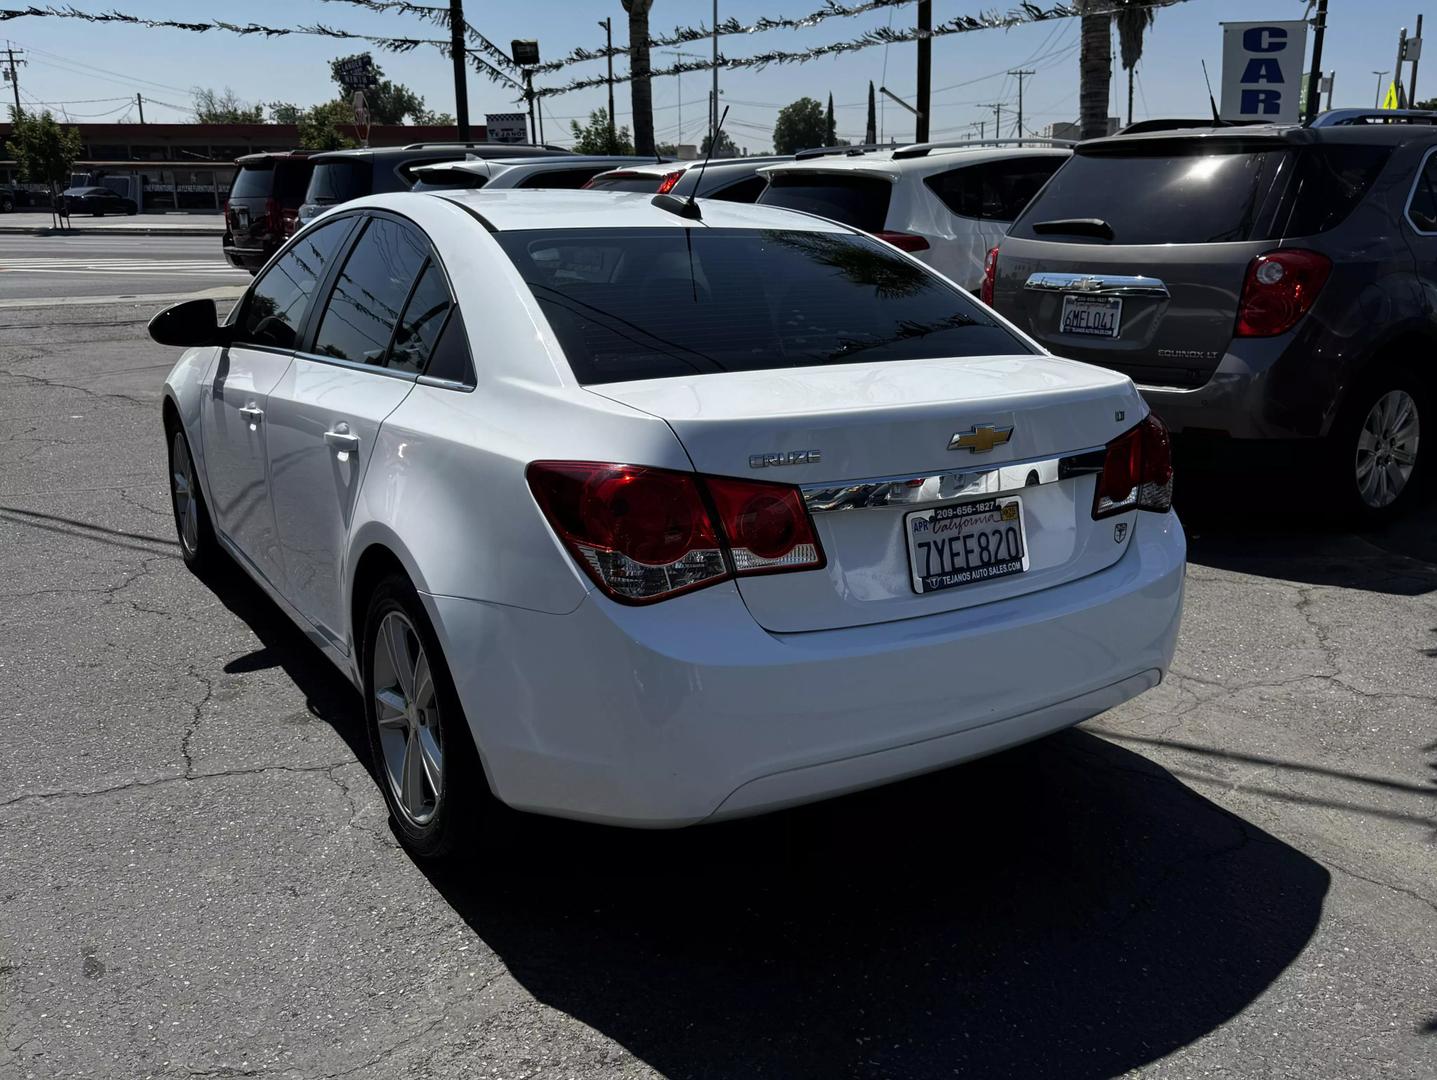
[
  {"x": 688, "y": 710},
  {"x": 242, "y": 258}
]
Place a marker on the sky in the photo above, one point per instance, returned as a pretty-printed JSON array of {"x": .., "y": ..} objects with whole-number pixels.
[{"x": 92, "y": 72}]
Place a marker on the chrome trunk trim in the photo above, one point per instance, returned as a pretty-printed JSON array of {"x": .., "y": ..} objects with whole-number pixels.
[{"x": 1098, "y": 284}]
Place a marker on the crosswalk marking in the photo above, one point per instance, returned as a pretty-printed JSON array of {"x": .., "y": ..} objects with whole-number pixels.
[{"x": 179, "y": 267}]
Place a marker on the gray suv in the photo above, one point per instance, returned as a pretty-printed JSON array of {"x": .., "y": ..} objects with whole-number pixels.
[{"x": 1258, "y": 283}]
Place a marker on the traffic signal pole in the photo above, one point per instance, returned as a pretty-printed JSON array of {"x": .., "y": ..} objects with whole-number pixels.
[{"x": 459, "y": 57}]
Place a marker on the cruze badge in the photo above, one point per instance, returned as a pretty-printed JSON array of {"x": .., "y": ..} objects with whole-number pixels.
[
  {"x": 791, "y": 457},
  {"x": 980, "y": 438}
]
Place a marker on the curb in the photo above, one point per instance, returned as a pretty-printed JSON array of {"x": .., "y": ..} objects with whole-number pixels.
[{"x": 113, "y": 230}]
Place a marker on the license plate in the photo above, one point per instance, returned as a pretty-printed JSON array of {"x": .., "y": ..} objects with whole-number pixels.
[
  {"x": 965, "y": 543},
  {"x": 1092, "y": 315},
  {"x": 242, "y": 217}
]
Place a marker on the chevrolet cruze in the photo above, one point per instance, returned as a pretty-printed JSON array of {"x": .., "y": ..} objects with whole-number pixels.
[{"x": 655, "y": 512}]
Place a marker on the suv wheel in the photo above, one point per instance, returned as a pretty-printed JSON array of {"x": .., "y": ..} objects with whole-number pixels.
[
  {"x": 1380, "y": 456},
  {"x": 6, "y": 204}
]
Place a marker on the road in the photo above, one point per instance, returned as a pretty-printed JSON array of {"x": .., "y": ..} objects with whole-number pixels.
[
  {"x": 59, "y": 267},
  {"x": 1232, "y": 876}
]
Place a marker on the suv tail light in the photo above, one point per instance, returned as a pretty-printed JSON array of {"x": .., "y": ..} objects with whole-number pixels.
[
  {"x": 1280, "y": 287},
  {"x": 274, "y": 220},
  {"x": 1137, "y": 472},
  {"x": 666, "y": 185},
  {"x": 645, "y": 534},
  {"x": 904, "y": 241},
  {"x": 990, "y": 275}
]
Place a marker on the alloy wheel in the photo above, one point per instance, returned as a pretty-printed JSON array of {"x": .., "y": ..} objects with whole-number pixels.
[
  {"x": 407, "y": 713},
  {"x": 182, "y": 491},
  {"x": 1387, "y": 446}
]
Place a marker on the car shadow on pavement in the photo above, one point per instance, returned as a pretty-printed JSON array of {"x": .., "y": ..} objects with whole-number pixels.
[
  {"x": 1067, "y": 909},
  {"x": 1296, "y": 539}
]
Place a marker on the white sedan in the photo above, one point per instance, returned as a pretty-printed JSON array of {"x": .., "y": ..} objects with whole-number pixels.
[{"x": 654, "y": 513}]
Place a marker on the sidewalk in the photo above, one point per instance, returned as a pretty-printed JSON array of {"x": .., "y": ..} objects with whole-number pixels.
[{"x": 38, "y": 223}]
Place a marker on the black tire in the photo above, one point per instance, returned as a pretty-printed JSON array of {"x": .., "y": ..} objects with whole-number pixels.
[
  {"x": 462, "y": 805},
  {"x": 1351, "y": 443},
  {"x": 7, "y": 204},
  {"x": 199, "y": 549},
  {"x": 131, "y": 210}
]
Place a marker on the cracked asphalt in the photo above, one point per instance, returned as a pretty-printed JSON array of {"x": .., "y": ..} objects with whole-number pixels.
[{"x": 1234, "y": 875}]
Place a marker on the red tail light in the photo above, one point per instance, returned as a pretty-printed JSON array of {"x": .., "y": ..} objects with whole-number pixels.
[
  {"x": 666, "y": 185},
  {"x": 1280, "y": 287},
  {"x": 1137, "y": 472},
  {"x": 990, "y": 275},
  {"x": 646, "y": 534},
  {"x": 291, "y": 222},
  {"x": 274, "y": 220},
  {"x": 904, "y": 241}
]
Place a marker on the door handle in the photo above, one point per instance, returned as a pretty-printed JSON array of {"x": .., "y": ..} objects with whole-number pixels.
[
  {"x": 252, "y": 414},
  {"x": 342, "y": 439}
]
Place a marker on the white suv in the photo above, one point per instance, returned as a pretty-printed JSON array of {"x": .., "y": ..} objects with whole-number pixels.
[{"x": 946, "y": 203}]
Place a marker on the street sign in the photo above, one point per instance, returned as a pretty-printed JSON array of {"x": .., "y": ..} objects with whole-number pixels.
[
  {"x": 1393, "y": 100},
  {"x": 508, "y": 127},
  {"x": 1262, "y": 71},
  {"x": 525, "y": 51},
  {"x": 357, "y": 72}
]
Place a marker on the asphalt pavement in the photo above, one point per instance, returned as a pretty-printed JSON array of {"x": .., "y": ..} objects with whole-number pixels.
[
  {"x": 1234, "y": 875},
  {"x": 56, "y": 268}
]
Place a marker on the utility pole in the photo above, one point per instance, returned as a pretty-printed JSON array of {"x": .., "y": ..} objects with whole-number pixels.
[
  {"x": 997, "y": 108},
  {"x": 714, "y": 105},
  {"x": 680, "y": 56},
  {"x": 459, "y": 56},
  {"x": 608, "y": 25},
  {"x": 1414, "y": 47},
  {"x": 141, "y": 103},
  {"x": 925, "y": 69},
  {"x": 1377, "y": 101},
  {"x": 1319, "y": 27},
  {"x": 1020, "y": 76},
  {"x": 14, "y": 75},
  {"x": 529, "y": 93},
  {"x": 1397, "y": 68}
]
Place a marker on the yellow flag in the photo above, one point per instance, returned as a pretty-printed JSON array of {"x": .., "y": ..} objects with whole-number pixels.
[{"x": 1393, "y": 100}]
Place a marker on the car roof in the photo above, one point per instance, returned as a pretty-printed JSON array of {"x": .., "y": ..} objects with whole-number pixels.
[
  {"x": 1341, "y": 131},
  {"x": 477, "y": 150},
  {"x": 267, "y": 158},
  {"x": 511, "y": 209},
  {"x": 937, "y": 159},
  {"x": 488, "y": 167},
  {"x": 646, "y": 167}
]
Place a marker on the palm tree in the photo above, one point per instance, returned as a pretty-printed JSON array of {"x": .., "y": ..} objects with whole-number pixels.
[
  {"x": 1095, "y": 69},
  {"x": 643, "y": 93},
  {"x": 1133, "y": 18}
]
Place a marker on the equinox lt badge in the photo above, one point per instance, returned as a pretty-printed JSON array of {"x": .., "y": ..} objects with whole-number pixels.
[{"x": 792, "y": 457}]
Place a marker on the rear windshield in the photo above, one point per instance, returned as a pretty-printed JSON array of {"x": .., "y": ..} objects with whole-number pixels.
[
  {"x": 253, "y": 182},
  {"x": 860, "y": 201},
  {"x": 631, "y": 182},
  {"x": 291, "y": 180},
  {"x": 655, "y": 303},
  {"x": 337, "y": 181},
  {"x": 1204, "y": 198}
]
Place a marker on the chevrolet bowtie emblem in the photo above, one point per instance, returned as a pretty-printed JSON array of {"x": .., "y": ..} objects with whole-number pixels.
[{"x": 980, "y": 438}]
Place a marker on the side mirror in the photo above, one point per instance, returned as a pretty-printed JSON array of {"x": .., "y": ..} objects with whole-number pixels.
[{"x": 189, "y": 323}]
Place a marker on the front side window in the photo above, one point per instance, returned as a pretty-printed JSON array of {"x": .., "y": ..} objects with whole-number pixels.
[
  {"x": 655, "y": 303},
  {"x": 370, "y": 293},
  {"x": 995, "y": 190},
  {"x": 272, "y": 312}
]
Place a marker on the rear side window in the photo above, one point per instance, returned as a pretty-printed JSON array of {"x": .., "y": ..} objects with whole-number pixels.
[
  {"x": 450, "y": 359},
  {"x": 337, "y": 182},
  {"x": 995, "y": 190},
  {"x": 1422, "y": 210},
  {"x": 656, "y": 303},
  {"x": 860, "y": 201},
  {"x": 275, "y": 306},
  {"x": 370, "y": 293},
  {"x": 1327, "y": 185},
  {"x": 423, "y": 318},
  {"x": 253, "y": 182},
  {"x": 1166, "y": 198},
  {"x": 745, "y": 191},
  {"x": 625, "y": 182}
]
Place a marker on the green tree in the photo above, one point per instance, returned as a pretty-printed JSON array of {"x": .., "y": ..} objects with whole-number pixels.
[
  {"x": 224, "y": 108},
  {"x": 593, "y": 137},
  {"x": 726, "y": 146},
  {"x": 328, "y": 127},
  {"x": 284, "y": 112},
  {"x": 800, "y": 126},
  {"x": 830, "y": 125},
  {"x": 43, "y": 150},
  {"x": 1430, "y": 104}
]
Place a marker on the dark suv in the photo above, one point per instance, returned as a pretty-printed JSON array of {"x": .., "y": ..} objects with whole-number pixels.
[
  {"x": 1273, "y": 283},
  {"x": 341, "y": 175},
  {"x": 262, "y": 210}
]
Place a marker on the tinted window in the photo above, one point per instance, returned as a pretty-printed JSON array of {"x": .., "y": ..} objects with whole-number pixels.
[
  {"x": 745, "y": 191},
  {"x": 996, "y": 190},
  {"x": 337, "y": 182},
  {"x": 370, "y": 293},
  {"x": 448, "y": 180},
  {"x": 291, "y": 179},
  {"x": 275, "y": 306},
  {"x": 1423, "y": 208},
  {"x": 559, "y": 178},
  {"x": 860, "y": 201},
  {"x": 626, "y": 182},
  {"x": 1328, "y": 183},
  {"x": 253, "y": 182},
  {"x": 1168, "y": 198},
  {"x": 450, "y": 359},
  {"x": 651, "y": 303},
  {"x": 423, "y": 318}
]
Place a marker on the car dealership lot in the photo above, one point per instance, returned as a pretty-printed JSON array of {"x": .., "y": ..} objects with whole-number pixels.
[{"x": 1233, "y": 874}]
